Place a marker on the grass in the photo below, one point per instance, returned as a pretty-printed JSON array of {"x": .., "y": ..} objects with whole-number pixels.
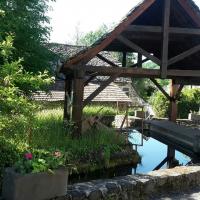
[
  {"x": 99, "y": 110},
  {"x": 47, "y": 132}
]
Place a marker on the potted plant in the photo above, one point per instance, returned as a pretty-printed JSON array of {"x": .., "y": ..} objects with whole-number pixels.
[{"x": 37, "y": 176}]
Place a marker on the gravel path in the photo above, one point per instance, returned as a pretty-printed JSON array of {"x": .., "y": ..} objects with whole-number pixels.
[{"x": 187, "y": 195}]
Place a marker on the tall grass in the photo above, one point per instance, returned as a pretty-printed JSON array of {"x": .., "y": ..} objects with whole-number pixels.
[
  {"x": 49, "y": 133},
  {"x": 99, "y": 110}
]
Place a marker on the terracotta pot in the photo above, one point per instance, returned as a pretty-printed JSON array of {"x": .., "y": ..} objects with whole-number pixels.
[{"x": 36, "y": 186}]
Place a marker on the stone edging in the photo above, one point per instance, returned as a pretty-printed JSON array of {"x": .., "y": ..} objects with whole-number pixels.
[{"x": 139, "y": 187}]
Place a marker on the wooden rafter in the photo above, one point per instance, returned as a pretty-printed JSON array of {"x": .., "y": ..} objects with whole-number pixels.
[
  {"x": 193, "y": 81},
  {"x": 106, "y": 60},
  {"x": 140, "y": 72},
  {"x": 100, "y": 89},
  {"x": 184, "y": 54},
  {"x": 135, "y": 47},
  {"x": 178, "y": 92},
  {"x": 165, "y": 44},
  {"x": 124, "y": 59},
  {"x": 158, "y": 29},
  {"x": 161, "y": 89},
  {"x": 139, "y": 60},
  {"x": 137, "y": 64},
  {"x": 92, "y": 52},
  {"x": 92, "y": 76}
]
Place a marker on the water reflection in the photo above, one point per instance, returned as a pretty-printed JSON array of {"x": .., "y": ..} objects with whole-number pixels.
[{"x": 152, "y": 152}]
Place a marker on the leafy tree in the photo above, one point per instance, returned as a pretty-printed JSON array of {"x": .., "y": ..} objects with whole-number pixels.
[
  {"x": 16, "y": 85},
  {"x": 28, "y": 22},
  {"x": 92, "y": 36}
]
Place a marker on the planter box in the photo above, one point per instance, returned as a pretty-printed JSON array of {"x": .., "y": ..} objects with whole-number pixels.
[{"x": 38, "y": 186}]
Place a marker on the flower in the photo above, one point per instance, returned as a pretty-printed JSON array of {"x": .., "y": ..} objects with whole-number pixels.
[
  {"x": 57, "y": 154},
  {"x": 28, "y": 156}
]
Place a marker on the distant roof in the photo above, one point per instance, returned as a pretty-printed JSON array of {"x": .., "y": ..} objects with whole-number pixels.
[
  {"x": 111, "y": 93},
  {"x": 65, "y": 51}
]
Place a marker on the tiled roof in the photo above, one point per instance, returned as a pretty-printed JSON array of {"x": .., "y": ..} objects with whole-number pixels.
[
  {"x": 64, "y": 51},
  {"x": 111, "y": 93}
]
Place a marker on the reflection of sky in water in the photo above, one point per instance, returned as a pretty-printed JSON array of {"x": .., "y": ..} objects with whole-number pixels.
[{"x": 152, "y": 153}]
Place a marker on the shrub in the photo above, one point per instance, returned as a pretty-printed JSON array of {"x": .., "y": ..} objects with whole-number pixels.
[
  {"x": 189, "y": 101},
  {"x": 160, "y": 104}
]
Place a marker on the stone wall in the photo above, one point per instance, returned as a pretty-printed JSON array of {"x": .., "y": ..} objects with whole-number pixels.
[{"x": 139, "y": 187}]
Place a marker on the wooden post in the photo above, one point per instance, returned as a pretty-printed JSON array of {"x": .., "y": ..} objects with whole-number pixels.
[
  {"x": 139, "y": 60},
  {"x": 67, "y": 103},
  {"x": 77, "y": 111},
  {"x": 172, "y": 117},
  {"x": 165, "y": 45},
  {"x": 124, "y": 59}
]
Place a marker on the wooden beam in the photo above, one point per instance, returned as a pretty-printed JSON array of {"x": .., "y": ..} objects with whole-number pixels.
[
  {"x": 124, "y": 72},
  {"x": 178, "y": 93},
  {"x": 187, "y": 81},
  {"x": 100, "y": 89},
  {"x": 184, "y": 31},
  {"x": 92, "y": 76},
  {"x": 173, "y": 103},
  {"x": 92, "y": 52},
  {"x": 139, "y": 60},
  {"x": 107, "y": 60},
  {"x": 165, "y": 44},
  {"x": 184, "y": 54},
  {"x": 140, "y": 28},
  {"x": 137, "y": 64},
  {"x": 124, "y": 59},
  {"x": 77, "y": 111},
  {"x": 141, "y": 72},
  {"x": 160, "y": 88},
  {"x": 161, "y": 164},
  {"x": 158, "y": 29},
  {"x": 183, "y": 73},
  {"x": 135, "y": 47}
]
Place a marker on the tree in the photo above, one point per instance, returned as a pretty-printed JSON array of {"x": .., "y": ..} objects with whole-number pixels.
[
  {"x": 28, "y": 22},
  {"x": 16, "y": 85},
  {"x": 91, "y": 37}
]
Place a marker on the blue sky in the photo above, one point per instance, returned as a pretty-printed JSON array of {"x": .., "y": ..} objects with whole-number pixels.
[{"x": 71, "y": 16}]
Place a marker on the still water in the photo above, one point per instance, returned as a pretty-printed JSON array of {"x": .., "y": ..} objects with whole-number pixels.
[{"x": 152, "y": 152}]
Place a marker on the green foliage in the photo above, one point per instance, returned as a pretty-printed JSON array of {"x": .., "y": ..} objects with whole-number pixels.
[
  {"x": 16, "y": 85},
  {"x": 160, "y": 104},
  {"x": 10, "y": 153},
  {"x": 189, "y": 101},
  {"x": 29, "y": 23},
  {"x": 49, "y": 133},
  {"x": 40, "y": 161},
  {"x": 144, "y": 87},
  {"x": 99, "y": 110},
  {"x": 91, "y": 37}
]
